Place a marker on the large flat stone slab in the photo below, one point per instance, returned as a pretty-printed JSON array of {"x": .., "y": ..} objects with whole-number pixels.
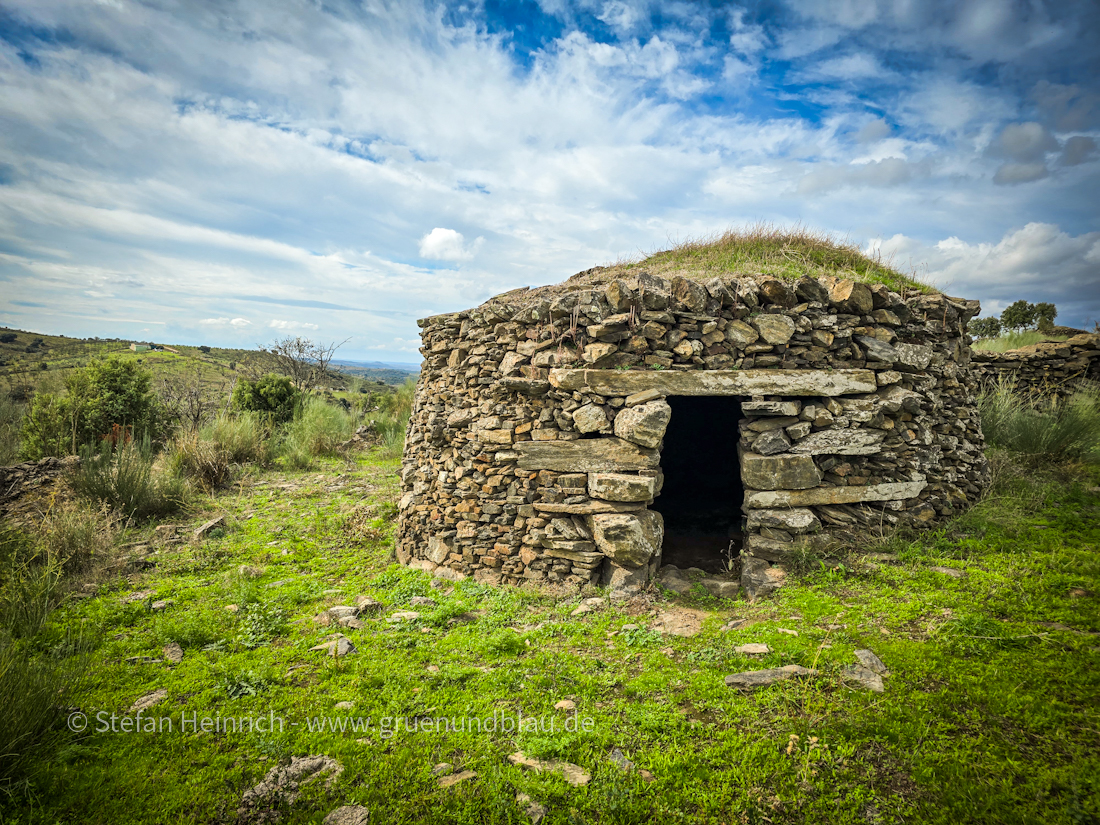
[
  {"x": 894, "y": 491},
  {"x": 716, "y": 382},
  {"x": 587, "y": 455},
  {"x": 779, "y": 472},
  {"x": 840, "y": 442}
]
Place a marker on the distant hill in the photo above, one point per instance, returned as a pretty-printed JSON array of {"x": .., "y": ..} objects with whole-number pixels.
[{"x": 26, "y": 357}]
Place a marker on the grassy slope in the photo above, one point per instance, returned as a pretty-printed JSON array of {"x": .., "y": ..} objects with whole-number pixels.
[
  {"x": 989, "y": 714},
  {"x": 214, "y": 368}
]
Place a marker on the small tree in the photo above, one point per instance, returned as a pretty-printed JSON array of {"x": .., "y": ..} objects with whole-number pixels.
[
  {"x": 302, "y": 361},
  {"x": 272, "y": 395},
  {"x": 187, "y": 402},
  {"x": 1045, "y": 314},
  {"x": 1018, "y": 316},
  {"x": 100, "y": 399},
  {"x": 985, "y": 327}
]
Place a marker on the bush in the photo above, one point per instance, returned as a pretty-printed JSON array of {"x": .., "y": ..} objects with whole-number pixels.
[
  {"x": 121, "y": 476},
  {"x": 199, "y": 459},
  {"x": 274, "y": 396},
  {"x": 11, "y": 421},
  {"x": 78, "y": 537},
  {"x": 1043, "y": 430},
  {"x": 319, "y": 430},
  {"x": 206, "y": 456},
  {"x": 984, "y": 327},
  {"x": 103, "y": 398},
  {"x": 244, "y": 437}
]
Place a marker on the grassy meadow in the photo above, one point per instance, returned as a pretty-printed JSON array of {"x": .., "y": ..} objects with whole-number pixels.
[{"x": 989, "y": 627}]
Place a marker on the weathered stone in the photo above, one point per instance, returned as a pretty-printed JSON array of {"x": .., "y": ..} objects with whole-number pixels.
[
  {"x": 840, "y": 442},
  {"x": 573, "y": 774},
  {"x": 588, "y": 508},
  {"x": 810, "y": 289},
  {"x": 759, "y": 578},
  {"x": 740, "y": 334},
  {"x": 620, "y": 487},
  {"x": 780, "y": 408},
  {"x": 914, "y": 356},
  {"x": 777, "y": 292},
  {"x": 439, "y": 548},
  {"x": 672, "y": 578},
  {"x": 869, "y": 660},
  {"x": 620, "y": 296},
  {"x": 877, "y": 350},
  {"x": 348, "y": 815},
  {"x": 590, "y": 419},
  {"x": 721, "y": 588},
  {"x": 589, "y": 455},
  {"x": 624, "y": 583},
  {"x": 752, "y": 649},
  {"x": 455, "y": 778},
  {"x": 596, "y": 352},
  {"x": 769, "y": 549},
  {"x": 753, "y": 679},
  {"x": 717, "y": 382},
  {"x": 779, "y": 472},
  {"x": 852, "y": 297},
  {"x": 895, "y": 399},
  {"x": 630, "y": 540},
  {"x": 644, "y": 424},
  {"x": 148, "y": 700},
  {"x": 893, "y": 491},
  {"x": 864, "y": 677},
  {"x": 642, "y": 397},
  {"x": 772, "y": 443},
  {"x": 793, "y": 520},
  {"x": 775, "y": 329},
  {"x": 689, "y": 293}
]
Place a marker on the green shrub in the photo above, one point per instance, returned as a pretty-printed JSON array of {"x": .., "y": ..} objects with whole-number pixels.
[
  {"x": 1043, "y": 430},
  {"x": 243, "y": 438},
  {"x": 11, "y": 421},
  {"x": 199, "y": 459},
  {"x": 274, "y": 396},
  {"x": 105, "y": 398},
  {"x": 206, "y": 456},
  {"x": 318, "y": 431},
  {"x": 122, "y": 477},
  {"x": 78, "y": 536}
]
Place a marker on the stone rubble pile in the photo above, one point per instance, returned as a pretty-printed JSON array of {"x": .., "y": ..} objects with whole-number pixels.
[{"x": 533, "y": 451}]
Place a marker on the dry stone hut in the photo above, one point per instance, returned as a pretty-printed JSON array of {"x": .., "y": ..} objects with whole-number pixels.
[{"x": 596, "y": 430}]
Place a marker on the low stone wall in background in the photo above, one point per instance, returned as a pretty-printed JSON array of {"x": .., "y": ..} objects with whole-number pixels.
[{"x": 1045, "y": 369}]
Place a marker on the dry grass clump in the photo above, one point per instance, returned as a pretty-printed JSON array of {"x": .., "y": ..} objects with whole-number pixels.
[{"x": 784, "y": 252}]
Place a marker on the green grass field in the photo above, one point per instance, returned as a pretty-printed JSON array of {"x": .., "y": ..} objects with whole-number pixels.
[{"x": 989, "y": 713}]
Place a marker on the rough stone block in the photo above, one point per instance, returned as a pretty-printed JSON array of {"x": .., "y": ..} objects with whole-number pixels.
[
  {"x": 588, "y": 455},
  {"x": 840, "y": 442},
  {"x": 621, "y": 487},
  {"x": 717, "y": 382},
  {"x": 793, "y": 520},
  {"x": 628, "y": 539},
  {"x": 644, "y": 424},
  {"x": 779, "y": 472},
  {"x": 790, "y": 497},
  {"x": 783, "y": 408},
  {"x": 775, "y": 329},
  {"x": 590, "y": 419}
]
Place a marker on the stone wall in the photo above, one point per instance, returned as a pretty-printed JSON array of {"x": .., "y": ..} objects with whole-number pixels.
[
  {"x": 1043, "y": 369},
  {"x": 23, "y": 485},
  {"x": 533, "y": 451}
]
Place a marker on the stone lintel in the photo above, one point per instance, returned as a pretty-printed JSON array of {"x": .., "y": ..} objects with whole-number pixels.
[
  {"x": 590, "y": 508},
  {"x": 894, "y": 491},
  {"x": 586, "y": 455},
  {"x": 716, "y": 382}
]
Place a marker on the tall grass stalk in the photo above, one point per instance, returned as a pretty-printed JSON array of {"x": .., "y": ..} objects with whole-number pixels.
[
  {"x": 1043, "y": 430},
  {"x": 318, "y": 430},
  {"x": 392, "y": 418},
  {"x": 11, "y": 421},
  {"x": 122, "y": 477}
]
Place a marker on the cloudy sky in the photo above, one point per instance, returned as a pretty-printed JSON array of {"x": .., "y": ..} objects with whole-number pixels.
[{"x": 230, "y": 172}]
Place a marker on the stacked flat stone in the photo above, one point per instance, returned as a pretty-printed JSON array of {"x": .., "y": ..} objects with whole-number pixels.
[
  {"x": 533, "y": 450},
  {"x": 1042, "y": 369}
]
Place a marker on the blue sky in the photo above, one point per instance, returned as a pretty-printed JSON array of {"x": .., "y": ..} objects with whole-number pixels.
[{"x": 227, "y": 173}]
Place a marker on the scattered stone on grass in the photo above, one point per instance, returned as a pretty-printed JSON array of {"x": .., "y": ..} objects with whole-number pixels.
[
  {"x": 148, "y": 700},
  {"x": 139, "y": 596},
  {"x": 535, "y": 810},
  {"x": 679, "y": 621},
  {"x": 210, "y": 526},
  {"x": 338, "y": 645},
  {"x": 344, "y": 705},
  {"x": 443, "y": 769},
  {"x": 589, "y": 606},
  {"x": 163, "y": 604},
  {"x": 733, "y": 624},
  {"x": 752, "y": 649},
  {"x": 453, "y": 779},
  {"x": 948, "y": 571},
  {"x": 351, "y": 623},
  {"x": 721, "y": 588},
  {"x": 142, "y": 660},
  {"x": 565, "y": 704},
  {"x": 872, "y": 662},
  {"x": 232, "y": 608},
  {"x": 423, "y": 601},
  {"x": 367, "y": 605},
  {"x": 619, "y": 760},
  {"x": 173, "y": 652},
  {"x": 786, "y": 632},
  {"x": 573, "y": 774},
  {"x": 283, "y": 783},
  {"x": 348, "y": 815},
  {"x": 752, "y": 679},
  {"x": 403, "y": 616},
  {"x": 864, "y": 677},
  {"x": 250, "y": 571}
]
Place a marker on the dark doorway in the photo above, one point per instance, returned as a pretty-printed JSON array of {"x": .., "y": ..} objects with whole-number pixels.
[{"x": 702, "y": 494}]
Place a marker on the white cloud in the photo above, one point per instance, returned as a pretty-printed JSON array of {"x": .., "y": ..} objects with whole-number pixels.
[
  {"x": 447, "y": 245},
  {"x": 291, "y": 325},
  {"x": 239, "y": 323}
]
